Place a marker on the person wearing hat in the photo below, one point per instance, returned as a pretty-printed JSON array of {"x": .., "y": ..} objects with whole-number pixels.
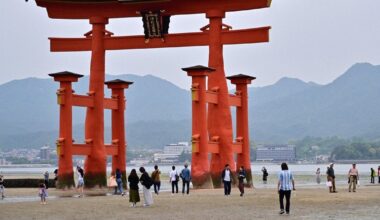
[
  {"x": 331, "y": 178},
  {"x": 353, "y": 177}
]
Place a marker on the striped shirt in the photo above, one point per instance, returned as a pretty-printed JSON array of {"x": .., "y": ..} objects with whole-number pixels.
[{"x": 285, "y": 177}]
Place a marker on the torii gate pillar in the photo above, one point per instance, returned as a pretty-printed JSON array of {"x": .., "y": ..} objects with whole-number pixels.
[
  {"x": 242, "y": 129},
  {"x": 65, "y": 140}
]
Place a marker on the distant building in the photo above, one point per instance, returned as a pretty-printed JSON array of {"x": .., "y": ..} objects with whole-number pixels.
[
  {"x": 45, "y": 153},
  {"x": 172, "y": 152},
  {"x": 3, "y": 161},
  {"x": 177, "y": 148},
  {"x": 276, "y": 153}
]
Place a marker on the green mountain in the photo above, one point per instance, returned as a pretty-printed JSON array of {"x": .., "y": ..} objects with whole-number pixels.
[{"x": 158, "y": 112}]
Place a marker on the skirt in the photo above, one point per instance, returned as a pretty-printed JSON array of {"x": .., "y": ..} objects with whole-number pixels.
[
  {"x": 134, "y": 195},
  {"x": 148, "y": 199}
]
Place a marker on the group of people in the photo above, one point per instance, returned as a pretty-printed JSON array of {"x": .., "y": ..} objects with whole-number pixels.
[
  {"x": 373, "y": 175},
  {"x": 147, "y": 181}
]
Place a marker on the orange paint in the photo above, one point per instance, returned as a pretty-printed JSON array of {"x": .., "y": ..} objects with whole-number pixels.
[{"x": 242, "y": 128}]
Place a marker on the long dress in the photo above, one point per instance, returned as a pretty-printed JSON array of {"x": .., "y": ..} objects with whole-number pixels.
[
  {"x": 318, "y": 176},
  {"x": 134, "y": 196},
  {"x": 144, "y": 179}
]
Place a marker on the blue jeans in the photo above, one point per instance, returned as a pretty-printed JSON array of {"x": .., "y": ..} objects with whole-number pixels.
[{"x": 119, "y": 185}]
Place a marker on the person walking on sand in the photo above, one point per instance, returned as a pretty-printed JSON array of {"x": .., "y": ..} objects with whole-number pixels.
[
  {"x": 119, "y": 181},
  {"x": 134, "y": 196},
  {"x": 265, "y": 175},
  {"x": 353, "y": 178},
  {"x": 186, "y": 178},
  {"x": 46, "y": 179},
  {"x": 242, "y": 175},
  {"x": 331, "y": 178},
  {"x": 227, "y": 178},
  {"x": 373, "y": 176},
  {"x": 80, "y": 184},
  {"x": 146, "y": 182},
  {"x": 173, "y": 179},
  {"x": 42, "y": 193},
  {"x": 156, "y": 179},
  {"x": 2, "y": 189},
  {"x": 318, "y": 175},
  {"x": 285, "y": 186}
]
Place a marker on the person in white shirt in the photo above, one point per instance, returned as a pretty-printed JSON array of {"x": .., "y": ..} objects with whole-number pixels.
[
  {"x": 227, "y": 178},
  {"x": 174, "y": 178}
]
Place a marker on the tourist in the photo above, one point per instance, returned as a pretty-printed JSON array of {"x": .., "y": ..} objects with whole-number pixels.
[
  {"x": 173, "y": 179},
  {"x": 265, "y": 175},
  {"x": 43, "y": 193},
  {"x": 285, "y": 186},
  {"x": 46, "y": 179},
  {"x": 156, "y": 179},
  {"x": 2, "y": 189},
  {"x": 242, "y": 175},
  {"x": 134, "y": 196},
  {"x": 373, "y": 174},
  {"x": 80, "y": 185},
  {"x": 112, "y": 183},
  {"x": 318, "y": 175},
  {"x": 378, "y": 174},
  {"x": 353, "y": 177},
  {"x": 119, "y": 181},
  {"x": 227, "y": 178},
  {"x": 331, "y": 178},
  {"x": 186, "y": 177},
  {"x": 146, "y": 182},
  {"x": 55, "y": 177}
]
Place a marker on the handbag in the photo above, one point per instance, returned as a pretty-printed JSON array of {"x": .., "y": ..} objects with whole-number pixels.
[
  {"x": 112, "y": 182},
  {"x": 329, "y": 184}
]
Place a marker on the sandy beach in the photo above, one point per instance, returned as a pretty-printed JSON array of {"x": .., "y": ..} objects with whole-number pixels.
[{"x": 262, "y": 203}]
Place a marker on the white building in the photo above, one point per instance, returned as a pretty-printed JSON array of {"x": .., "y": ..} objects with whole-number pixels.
[
  {"x": 171, "y": 152},
  {"x": 45, "y": 153}
]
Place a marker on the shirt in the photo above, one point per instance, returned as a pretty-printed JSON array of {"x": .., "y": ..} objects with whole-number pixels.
[
  {"x": 285, "y": 177},
  {"x": 227, "y": 175},
  {"x": 353, "y": 172},
  {"x": 172, "y": 175},
  {"x": 185, "y": 174}
]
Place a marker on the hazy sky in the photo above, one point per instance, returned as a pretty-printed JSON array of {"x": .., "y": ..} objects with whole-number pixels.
[{"x": 313, "y": 40}]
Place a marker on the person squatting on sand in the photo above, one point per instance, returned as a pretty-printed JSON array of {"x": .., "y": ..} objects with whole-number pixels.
[
  {"x": 331, "y": 178},
  {"x": 146, "y": 182},
  {"x": 241, "y": 177},
  {"x": 80, "y": 184},
  {"x": 173, "y": 179},
  {"x": 43, "y": 193},
  {"x": 353, "y": 178},
  {"x": 156, "y": 179},
  {"x": 285, "y": 186},
  {"x": 134, "y": 196},
  {"x": 186, "y": 178},
  {"x": 227, "y": 178}
]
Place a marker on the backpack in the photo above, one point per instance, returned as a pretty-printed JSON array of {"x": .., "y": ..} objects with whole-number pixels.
[
  {"x": 148, "y": 182},
  {"x": 176, "y": 177}
]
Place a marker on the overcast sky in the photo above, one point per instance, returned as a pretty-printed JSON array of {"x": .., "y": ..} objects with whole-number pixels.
[{"x": 313, "y": 40}]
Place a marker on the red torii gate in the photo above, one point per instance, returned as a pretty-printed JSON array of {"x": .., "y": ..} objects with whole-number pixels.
[{"x": 214, "y": 35}]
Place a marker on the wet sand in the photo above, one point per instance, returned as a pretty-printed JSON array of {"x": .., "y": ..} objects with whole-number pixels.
[{"x": 307, "y": 203}]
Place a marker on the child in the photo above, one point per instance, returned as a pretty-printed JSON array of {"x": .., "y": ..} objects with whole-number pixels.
[
  {"x": 43, "y": 193},
  {"x": 2, "y": 187}
]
